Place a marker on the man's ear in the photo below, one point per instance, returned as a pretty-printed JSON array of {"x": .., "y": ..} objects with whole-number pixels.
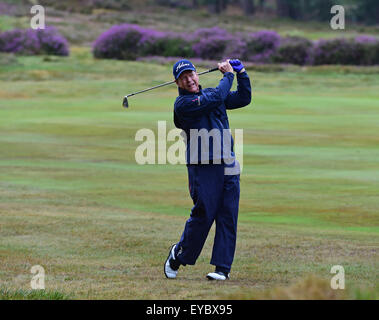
[{"x": 177, "y": 82}]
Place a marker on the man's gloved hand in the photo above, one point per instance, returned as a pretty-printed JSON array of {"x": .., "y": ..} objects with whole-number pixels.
[
  {"x": 237, "y": 65},
  {"x": 225, "y": 66}
]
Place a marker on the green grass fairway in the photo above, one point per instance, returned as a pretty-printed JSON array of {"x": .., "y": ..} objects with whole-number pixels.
[{"x": 73, "y": 199}]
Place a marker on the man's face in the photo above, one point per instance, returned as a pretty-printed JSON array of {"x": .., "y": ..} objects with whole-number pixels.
[{"x": 188, "y": 80}]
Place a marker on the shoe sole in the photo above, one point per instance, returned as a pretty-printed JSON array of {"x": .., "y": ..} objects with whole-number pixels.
[
  {"x": 164, "y": 266},
  {"x": 214, "y": 279}
]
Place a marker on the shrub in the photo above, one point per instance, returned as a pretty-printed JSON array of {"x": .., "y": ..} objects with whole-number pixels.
[
  {"x": 207, "y": 32},
  {"x": 216, "y": 43},
  {"x": 51, "y": 42},
  {"x": 210, "y": 43},
  {"x": 166, "y": 45},
  {"x": 346, "y": 51},
  {"x": 128, "y": 42},
  {"x": 119, "y": 42},
  {"x": 261, "y": 45},
  {"x": 371, "y": 49},
  {"x": 294, "y": 50},
  {"x": 34, "y": 42}
]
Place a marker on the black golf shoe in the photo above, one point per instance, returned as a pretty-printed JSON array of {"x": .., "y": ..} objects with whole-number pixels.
[
  {"x": 171, "y": 265},
  {"x": 218, "y": 275}
]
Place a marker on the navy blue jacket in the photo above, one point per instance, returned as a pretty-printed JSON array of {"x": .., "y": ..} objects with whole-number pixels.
[{"x": 207, "y": 110}]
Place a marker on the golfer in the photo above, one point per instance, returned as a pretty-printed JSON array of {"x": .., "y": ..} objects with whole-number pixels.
[{"x": 213, "y": 171}]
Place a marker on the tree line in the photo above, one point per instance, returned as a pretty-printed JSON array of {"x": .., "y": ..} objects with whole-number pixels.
[{"x": 363, "y": 11}]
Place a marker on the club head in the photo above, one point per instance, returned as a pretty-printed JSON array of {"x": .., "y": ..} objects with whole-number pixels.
[{"x": 125, "y": 102}]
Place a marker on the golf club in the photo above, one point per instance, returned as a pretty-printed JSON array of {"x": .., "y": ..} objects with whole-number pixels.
[{"x": 125, "y": 102}]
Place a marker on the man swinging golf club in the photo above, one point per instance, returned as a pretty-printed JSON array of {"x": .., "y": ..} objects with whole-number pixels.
[{"x": 213, "y": 171}]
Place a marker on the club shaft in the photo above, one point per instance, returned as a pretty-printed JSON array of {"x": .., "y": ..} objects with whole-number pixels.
[
  {"x": 165, "y": 84},
  {"x": 158, "y": 86}
]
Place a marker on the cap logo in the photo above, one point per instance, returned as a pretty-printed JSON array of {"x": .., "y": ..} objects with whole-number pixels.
[{"x": 181, "y": 65}]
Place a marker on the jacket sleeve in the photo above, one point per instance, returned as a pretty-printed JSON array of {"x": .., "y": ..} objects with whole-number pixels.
[
  {"x": 241, "y": 97},
  {"x": 193, "y": 106}
]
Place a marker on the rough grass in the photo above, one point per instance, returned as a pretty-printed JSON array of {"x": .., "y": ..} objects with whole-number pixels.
[
  {"x": 73, "y": 199},
  {"x": 20, "y": 294},
  {"x": 307, "y": 288}
]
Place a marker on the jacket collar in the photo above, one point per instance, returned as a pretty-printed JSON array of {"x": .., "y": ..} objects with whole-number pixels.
[{"x": 183, "y": 92}]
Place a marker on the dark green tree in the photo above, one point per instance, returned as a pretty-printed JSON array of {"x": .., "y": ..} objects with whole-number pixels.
[
  {"x": 304, "y": 9},
  {"x": 367, "y": 11},
  {"x": 248, "y": 7}
]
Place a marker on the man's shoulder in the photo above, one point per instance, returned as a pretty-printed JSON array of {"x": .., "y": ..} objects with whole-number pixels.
[
  {"x": 179, "y": 101},
  {"x": 186, "y": 99}
]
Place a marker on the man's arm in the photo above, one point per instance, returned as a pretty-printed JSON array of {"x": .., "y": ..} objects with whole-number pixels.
[{"x": 241, "y": 97}]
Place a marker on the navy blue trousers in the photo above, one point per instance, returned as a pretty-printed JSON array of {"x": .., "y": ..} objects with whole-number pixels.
[{"x": 216, "y": 198}]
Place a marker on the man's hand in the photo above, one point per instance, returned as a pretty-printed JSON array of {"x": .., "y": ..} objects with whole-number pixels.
[
  {"x": 237, "y": 65},
  {"x": 225, "y": 66}
]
